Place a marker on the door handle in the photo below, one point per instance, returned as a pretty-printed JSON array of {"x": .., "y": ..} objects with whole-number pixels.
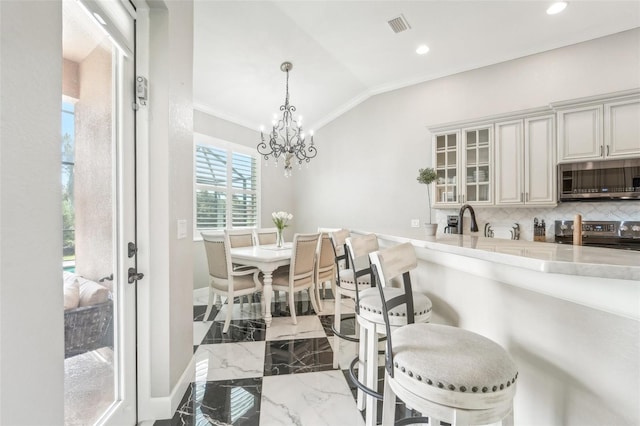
[
  {"x": 600, "y": 150},
  {"x": 607, "y": 150},
  {"x": 134, "y": 275}
]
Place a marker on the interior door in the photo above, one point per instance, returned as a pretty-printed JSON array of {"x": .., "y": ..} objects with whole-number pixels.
[{"x": 98, "y": 92}]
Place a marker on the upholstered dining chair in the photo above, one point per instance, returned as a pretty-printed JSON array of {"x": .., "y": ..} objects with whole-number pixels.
[
  {"x": 240, "y": 237},
  {"x": 265, "y": 236},
  {"x": 446, "y": 373},
  {"x": 301, "y": 272},
  {"x": 223, "y": 279},
  {"x": 325, "y": 267}
]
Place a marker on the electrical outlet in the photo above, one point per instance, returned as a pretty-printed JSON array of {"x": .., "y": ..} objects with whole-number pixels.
[{"x": 415, "y": 223}]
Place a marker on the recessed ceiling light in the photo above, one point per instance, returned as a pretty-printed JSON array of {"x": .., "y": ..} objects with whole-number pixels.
[
  {"x": 422, "y": 49},
  {"x": 556, "y": 7}
]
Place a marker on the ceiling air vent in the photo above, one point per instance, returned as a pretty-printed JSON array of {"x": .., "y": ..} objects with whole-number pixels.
[{"x": 399, "y": 24}]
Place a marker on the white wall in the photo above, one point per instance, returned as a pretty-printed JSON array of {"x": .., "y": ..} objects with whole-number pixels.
[
  {"x": 31, "y": 302},
  {"x": 165, "y": 170},
  {"x": 276, "y": 190},
  {"x": 365, "y": 174}
]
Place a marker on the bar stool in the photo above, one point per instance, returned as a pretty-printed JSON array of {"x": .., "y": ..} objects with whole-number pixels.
[
  {"x": 370, "y": 318},
  {"x": 345, "y": 286},
  {"x": 445, "y": 372}
]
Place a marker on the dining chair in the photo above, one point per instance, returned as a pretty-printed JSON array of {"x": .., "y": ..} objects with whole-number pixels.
[
  {"x": 300, "y": 275},
  {"x": 223, "y": 279},
  {"x": 325, "y": 267},
  {"x": 446, "y": 373},
  {"x": 240, "y": 237},
  {"x": 265, "y": 236}
]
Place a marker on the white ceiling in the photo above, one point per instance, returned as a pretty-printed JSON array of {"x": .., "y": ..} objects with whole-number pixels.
[{"x": 344, "y": 51}]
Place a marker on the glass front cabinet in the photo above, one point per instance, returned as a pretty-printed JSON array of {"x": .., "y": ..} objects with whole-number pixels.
[{"x": 463, "y": 166}]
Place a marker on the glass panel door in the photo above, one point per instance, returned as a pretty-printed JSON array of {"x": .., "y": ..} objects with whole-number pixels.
[
  {"x": 447, "y": 168},
  {"x": 477, "y": 166},
  {"x": 98, "y": 187}
]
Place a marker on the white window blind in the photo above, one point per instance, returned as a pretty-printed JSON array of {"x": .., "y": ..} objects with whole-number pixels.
[{"x": 226, "y": 187}]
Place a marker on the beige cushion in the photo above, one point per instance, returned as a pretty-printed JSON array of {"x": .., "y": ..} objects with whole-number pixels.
[
  {"x": 347, "y": 282},
  {"x": 370, "y": 306},
  {"x": 71, "y": 290},
  {"x": 452, "y": 366},
  {"x": 91, "y": 293}
]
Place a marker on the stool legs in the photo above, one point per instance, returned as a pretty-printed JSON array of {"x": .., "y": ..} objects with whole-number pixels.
[
  {"x": 371, "y": 367},
  {"x": 388, "y": 403},
  {"x": 336, "y": 325}
]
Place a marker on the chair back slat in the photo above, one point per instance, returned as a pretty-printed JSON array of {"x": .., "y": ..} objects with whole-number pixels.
[{"x": 396, "y": 262}]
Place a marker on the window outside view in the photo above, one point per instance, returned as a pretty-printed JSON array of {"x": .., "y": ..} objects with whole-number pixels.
[
  {"x": 222, "y": 175},
  {"x": 68, "y": 162}
]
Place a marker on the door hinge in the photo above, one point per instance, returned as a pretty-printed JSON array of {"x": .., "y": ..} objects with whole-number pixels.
[
  {"x": 132, "y": 249},
  {"x": 134, "y": 275}
]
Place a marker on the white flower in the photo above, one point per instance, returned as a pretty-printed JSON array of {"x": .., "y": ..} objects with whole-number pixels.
[{"x": 280, "y": 219}]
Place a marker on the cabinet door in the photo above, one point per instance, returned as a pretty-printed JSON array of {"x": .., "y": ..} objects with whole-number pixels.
[
  {"x": 580, "y": 134},
  {"x": 447, "y": 146},
  {"x": 476, "y": 170},
  {"x": 622, "y": 129},
  {"x": 539, "y": 164},
  {"x": 509, "y": 163}
]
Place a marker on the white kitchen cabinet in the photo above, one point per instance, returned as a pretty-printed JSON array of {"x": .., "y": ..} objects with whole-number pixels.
[
  {"x": 525, "y": 172},
  {"x": 463, "y": 165},
  {"x": 476, "y": 170},
  {"x": 622, "y": 129},
  {"x": 447, "y": 153},
  {"x": 599, "y": 130}
]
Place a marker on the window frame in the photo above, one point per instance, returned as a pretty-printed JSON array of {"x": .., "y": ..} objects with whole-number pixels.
[{"x": 229, "y": 190}]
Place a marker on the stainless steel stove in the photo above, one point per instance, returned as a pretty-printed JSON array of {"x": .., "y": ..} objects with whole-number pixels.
[{"x": 609, "y": 234}]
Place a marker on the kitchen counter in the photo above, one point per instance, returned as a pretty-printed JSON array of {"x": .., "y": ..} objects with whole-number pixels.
[{"x": 537, "y": 256}]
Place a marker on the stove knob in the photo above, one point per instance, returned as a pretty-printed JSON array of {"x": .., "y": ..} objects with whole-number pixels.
[
  {"x": 635, "y": 228},
  {"x": 563, "y": 227},
  {"x": 624, "y": 228}
]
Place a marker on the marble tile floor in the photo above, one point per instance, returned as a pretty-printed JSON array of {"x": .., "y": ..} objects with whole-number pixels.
[{"x": 259, "y": 376}]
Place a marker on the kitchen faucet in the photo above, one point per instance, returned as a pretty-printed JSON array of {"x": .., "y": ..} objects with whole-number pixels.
[{"x": 474, "y": 225}]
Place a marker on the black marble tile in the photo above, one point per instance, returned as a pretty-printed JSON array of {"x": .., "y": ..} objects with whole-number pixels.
[
  {"x": 347, "y": 324},
  {"x": 249, "y": 330},
  {"x": 199, "y": 311},
  {"x": 298, "y": 356},
  {"x": 227, "y": 402}
]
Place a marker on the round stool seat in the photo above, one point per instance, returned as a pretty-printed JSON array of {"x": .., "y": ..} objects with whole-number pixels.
[
  {"x": 348, "y": 283},
  {"x": 451, "y": 366},
  {"x": 370, "y": 306}
]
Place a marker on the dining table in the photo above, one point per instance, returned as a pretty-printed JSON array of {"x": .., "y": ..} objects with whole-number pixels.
[{"x": 267, "y": 258}]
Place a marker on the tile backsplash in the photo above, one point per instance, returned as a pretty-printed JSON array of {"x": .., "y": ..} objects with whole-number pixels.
[{"x": 502, "y": 219}]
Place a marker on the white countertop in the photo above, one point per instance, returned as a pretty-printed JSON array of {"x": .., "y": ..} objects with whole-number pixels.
[{"x": 537, "y": 256}]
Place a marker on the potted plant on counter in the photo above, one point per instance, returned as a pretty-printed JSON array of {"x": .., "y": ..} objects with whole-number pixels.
[{"x": 427, "y": 176}]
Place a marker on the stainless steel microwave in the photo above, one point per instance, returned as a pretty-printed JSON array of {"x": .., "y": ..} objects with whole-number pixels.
[{"x": 599, "y": 180}]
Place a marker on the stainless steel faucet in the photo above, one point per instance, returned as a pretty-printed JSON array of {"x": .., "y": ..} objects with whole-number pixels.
[{"x": 474, "y": 225}]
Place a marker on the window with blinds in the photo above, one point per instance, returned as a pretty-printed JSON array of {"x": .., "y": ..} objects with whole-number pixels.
[{"x": 226, "y": 188}]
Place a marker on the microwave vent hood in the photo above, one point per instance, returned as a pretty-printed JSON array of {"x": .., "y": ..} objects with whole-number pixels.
[{"x": 599, "y": 180}]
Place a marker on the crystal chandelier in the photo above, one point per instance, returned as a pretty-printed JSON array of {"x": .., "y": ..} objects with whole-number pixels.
[{"x": 286, "y": 138}]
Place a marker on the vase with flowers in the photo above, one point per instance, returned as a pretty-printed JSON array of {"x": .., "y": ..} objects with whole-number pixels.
[
  {"x": 280, "y": 219},
  {"x": 427, "y": 176}
]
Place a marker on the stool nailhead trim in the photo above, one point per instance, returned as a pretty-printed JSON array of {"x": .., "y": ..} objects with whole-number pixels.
[{"x": 452, "y": 387}]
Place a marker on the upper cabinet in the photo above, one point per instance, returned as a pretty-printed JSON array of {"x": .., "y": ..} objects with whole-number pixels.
[
  {"x": 477, "y": 165},
  {"x": 599, "y": 129},
  {"x": 525, "y": 172},
  {"x": 464, "y": 166}
]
